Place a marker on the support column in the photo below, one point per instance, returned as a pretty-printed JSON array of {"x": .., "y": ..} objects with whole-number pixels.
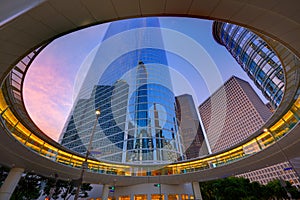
[
  {"x": 10, "y": 183},
  {"x": 105, "y": 192},
  {"x": 197, "y": 191}
]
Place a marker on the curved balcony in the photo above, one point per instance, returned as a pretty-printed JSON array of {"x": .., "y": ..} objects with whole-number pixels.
[
  {"x": 23, "y": 129},
  {"x": 20, "y": 131}
]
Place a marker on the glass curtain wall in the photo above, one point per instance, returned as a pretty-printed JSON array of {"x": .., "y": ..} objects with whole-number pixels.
[
  {"x": 134, "y": 93},
  {"x": 255, "y": 57}
]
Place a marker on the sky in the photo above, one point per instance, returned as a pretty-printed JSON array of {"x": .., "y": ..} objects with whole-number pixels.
[{"x": 49, "y": 83}]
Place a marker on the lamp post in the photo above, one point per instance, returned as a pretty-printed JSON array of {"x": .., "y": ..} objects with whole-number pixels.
[
  {"x": 85, "y": 164},
  {"x": 159, "y": 187}
]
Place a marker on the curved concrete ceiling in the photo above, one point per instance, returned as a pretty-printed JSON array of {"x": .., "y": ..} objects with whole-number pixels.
[{"x": 50, "y": 19}]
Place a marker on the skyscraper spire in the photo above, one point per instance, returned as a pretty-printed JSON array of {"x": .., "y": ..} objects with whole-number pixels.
[{"x": 135, "y": 96}]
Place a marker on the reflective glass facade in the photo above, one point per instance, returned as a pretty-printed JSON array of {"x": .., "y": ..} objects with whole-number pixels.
[
  {"x": 191, "y": 131},
  {"x": 138, "y": 121},
  {"x": 255, "y": 57}
]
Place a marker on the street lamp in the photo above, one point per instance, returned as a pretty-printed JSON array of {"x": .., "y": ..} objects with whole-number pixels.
[{"x": 85, "y": 163}]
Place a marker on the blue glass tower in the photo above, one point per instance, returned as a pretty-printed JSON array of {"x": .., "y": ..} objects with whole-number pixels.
[
  {"x": 255, "y": 57},
  {"x": 138, "y": 121}
]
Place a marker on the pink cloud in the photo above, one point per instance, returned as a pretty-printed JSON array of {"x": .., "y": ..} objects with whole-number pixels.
[
  {"x": 49, "y": 82},
  {"x": 48, "y": 96}
]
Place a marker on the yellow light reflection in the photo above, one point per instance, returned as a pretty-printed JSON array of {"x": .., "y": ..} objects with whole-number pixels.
[
  {"x": 10, "y": 117},
  {"x": 22, "y": 129},
  {"x": 277, "y": 125},
  {"x": 288, "y": 116},
  {"x": 297, "y": 103},
  {"x": 3, "y": 104},
  {"x": 22, "y": 134}
]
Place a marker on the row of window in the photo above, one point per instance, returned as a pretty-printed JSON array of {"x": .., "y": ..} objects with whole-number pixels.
[
  {"x": 116, "y": 135},
  {"x": 256, "y": 57},
  {"x": 129, "y": 61}
]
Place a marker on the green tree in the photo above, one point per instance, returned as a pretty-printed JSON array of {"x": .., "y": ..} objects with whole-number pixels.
[
  {"x": 232, "y": 188},
  {"x": 259, "y": 191},
  {"x": 52, "y": 186},
  {"x": 65, "y": 189},
  {"x": 207, "y": 190},
  {"x": 276, "y": 189},
  {"x": 293, "y": 190},
  {"x": 3, "y": 174},
  {"x": 28, "y": 187},
  {"x": 68, "y": 190},
  {"x": 280, "y": 189}
]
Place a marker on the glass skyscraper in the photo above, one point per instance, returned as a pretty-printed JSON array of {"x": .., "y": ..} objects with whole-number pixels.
[
  {"x": 255, "y": 57},
  {"x": 134, "y": 92},
  {"x": 191, "y": 131}
]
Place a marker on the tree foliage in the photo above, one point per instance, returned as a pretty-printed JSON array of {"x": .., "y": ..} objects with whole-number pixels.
[
  {"x": 31, "y": 186},
  {"x": 280, "y": 189},
  {"x": 28, "y": 187},
  {"x": 65, "y": 189},
  {"x": 3, "y": 174},
  {"x": 241, "y": 189}
]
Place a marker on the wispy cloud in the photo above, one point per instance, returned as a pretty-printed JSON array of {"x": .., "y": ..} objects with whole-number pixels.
[
  {"x": 49, "y": 82},
  {"x": 48, "y": 97}
]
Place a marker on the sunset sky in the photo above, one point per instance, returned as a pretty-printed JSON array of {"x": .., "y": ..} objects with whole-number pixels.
[{"x": 49, "y": 82}]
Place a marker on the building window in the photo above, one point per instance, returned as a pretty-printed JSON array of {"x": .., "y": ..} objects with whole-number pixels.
[
  {"x": 184, "y": 196},
  {"x": 140, "y": 197},
  {"x": 173, "y": 197},
  {"x": 156, "y": 197},
  {"x": 124, "y": 198}
]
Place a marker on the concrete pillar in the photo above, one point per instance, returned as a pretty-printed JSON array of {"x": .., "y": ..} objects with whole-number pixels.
[
  {"x": 10, "y": 183},
  {"x": 196, "y": 190},
  {"x": 105, "y": 192}
]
